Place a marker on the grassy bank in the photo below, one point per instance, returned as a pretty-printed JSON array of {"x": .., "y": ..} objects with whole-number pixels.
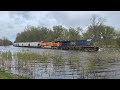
[{"x": 5, "y": 75}]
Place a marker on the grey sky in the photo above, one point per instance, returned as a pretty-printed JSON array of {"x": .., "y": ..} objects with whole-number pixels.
[{"x": 12, "y": 22}]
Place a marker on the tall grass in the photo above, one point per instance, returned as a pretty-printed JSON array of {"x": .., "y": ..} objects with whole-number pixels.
[
  {"x": 58, "y": 61},
  {"x": 74, "y": 62},
  {"x": 31, "y": 56},
  {"x": 101, "y": 60},
  {"x": 106, "y": 57},
  {"x": 6, "y": 55}
]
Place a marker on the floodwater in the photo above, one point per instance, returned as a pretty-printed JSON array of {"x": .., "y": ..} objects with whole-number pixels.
[{"x": 104, "y": 64}]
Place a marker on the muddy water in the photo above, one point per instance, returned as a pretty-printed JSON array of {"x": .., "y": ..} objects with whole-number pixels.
[{"x": 104, "y": 64}]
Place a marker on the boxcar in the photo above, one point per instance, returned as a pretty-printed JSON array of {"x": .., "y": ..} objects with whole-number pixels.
[{"x": 34, "y": 44}]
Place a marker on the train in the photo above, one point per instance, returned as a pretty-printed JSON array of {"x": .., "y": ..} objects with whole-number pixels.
[{"x": 83, "y": 45}]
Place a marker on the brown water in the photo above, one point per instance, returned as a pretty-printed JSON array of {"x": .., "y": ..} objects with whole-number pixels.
[{"x": 104, "y": 64}]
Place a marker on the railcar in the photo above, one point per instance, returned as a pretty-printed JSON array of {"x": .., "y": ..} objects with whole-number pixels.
[
  {"x": 26, "y": 44},
  {"x": 33, "y": 44}
]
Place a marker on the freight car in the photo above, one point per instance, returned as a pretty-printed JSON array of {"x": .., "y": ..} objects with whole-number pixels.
[
  {"x": 27, "y": 44},
  {"x": 33, "y": 44}
]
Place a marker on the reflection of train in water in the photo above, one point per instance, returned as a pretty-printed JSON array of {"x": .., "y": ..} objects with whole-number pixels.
[{"x": 84, "y": 45}]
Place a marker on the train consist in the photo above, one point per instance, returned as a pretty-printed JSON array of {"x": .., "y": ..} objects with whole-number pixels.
[{"x": 83, "y": 45}]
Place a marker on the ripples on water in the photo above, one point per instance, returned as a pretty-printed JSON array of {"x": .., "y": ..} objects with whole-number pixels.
[{"x": 73, "y": 65}]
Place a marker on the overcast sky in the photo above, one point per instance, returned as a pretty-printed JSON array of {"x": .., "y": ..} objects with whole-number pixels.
[{"x": 12, "y": 22}]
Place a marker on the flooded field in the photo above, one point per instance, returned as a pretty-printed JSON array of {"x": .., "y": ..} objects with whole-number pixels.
[{"x": 39, "y": 63}]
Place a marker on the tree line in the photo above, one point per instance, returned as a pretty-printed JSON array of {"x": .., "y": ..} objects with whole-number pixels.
[
  {"x": 102, "y": 35},
  {"x": 31, "y": 34},
  {"x": 5, "y": 42}
]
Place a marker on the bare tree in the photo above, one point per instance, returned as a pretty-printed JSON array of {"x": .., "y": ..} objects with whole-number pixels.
[
  {"x": 97, "y": 20},
  {"x": 95, "y": 27}
]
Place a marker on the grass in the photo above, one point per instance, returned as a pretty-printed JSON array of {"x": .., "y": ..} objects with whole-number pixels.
[
  {"x": 74, "y": 61},
  {"x": 58, "y": 61},
  {"x": 6, "y": 55},
  {"x": 6, "y": 75},
  {"x": 106, "y": 57},
  {"x": 31, "y": 56},
  {"x": 101, "y": 60}
]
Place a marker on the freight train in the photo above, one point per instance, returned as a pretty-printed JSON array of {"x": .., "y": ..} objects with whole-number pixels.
[{"x": 83, "y": 45}]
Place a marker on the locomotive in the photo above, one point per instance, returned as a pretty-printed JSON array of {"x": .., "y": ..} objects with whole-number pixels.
[{"x": 83, "y": 45}]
